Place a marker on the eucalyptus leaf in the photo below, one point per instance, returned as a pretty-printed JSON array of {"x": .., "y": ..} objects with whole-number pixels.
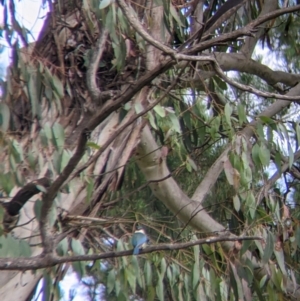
[
  {"x": 104, "y": 3},
  {"x": 160, "y": 110},
  {"x": 4, "y": 117}
]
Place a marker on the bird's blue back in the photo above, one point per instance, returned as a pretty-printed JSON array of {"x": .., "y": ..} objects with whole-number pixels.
[{"x": 138, "y": 239}]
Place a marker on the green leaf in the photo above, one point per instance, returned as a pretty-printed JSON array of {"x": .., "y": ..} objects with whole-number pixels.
[
  {"x": 264, "y": 155},
  {"x": 268, "y": 251},
  {"x": 7, "y": 182},
  {"x": 104, "y": 3},
  {"x": 148, "y": 273},
  {"x": 24, "y": 248},
  {"x": 175, "y": 15},
  {"x": 34, "y": 89},
  {"x": 291, "y": 156},
  {"x": 228, "y": 112},
  {"x": 150, "y": 293},
  {"x": 298, "y": 132},
  {"x": 48, "y": 131},
  {"x": 57, "y": 158},
  {"x": 110, "y": 284},
  {"x": 160, "y": 111},
  {"x": 138, "y": 108},
  {"x": 89, "y": 190},
  {"x": 131, "y": 278},
  {"x": 41, "y": 188},
  {"x": 93, "y": 145},
  {"x": 263, "y": 281},
  {"x": 236, "y": 203},
  {"x": 152, "y": 120},
  {"x": 266, "y": 120},
  {"x": 282, "y": 131},
  {"x": 170, "y": 276},
  {"x": 260, "y": 131},
  {"x": 37, "y": 209},
  {"x": 65, "y": 158},
  {"x": 236, "y": 283},
  {"x": 196, "y": 275},
  {"x": 52, "y": 216},
  {"x": 278, "y": 161},
  {"x": 77, "y": 247},
  {"x": 163, "y": 267},
  {"x": 4, "y": 117},
  {"x": 280, "y": 260},
  {"x": 192, "y": 163},
  {"x": 241, "y": 114},
  {"x": 188, "y": 166},
  {"x": 58, "y": 135},
  {"x": 160, "y": 290},
  {"x": 250, "y": 202},
  {"x": 175, "y": 123},
  {"x": 229, "y": 172},
  {"x": 57, "y": 86},
  {"x": 62, "y": 247},
  {"x": 255, "y": 155}
]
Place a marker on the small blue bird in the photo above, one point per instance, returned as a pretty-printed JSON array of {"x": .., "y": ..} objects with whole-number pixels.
[{"x": 138, "y": 240}]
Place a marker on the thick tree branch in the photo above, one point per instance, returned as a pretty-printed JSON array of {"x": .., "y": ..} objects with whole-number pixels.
[
  {"x": 250, "y": 42},
  {"x": 14, "y": 206},
  {"x": 153, "y": 166},
  {"x": 210, "y": 178},
  {"x": 232, "y": 82},
  {"x": 238, "y": 62},
  {"x": 49, "y": 260}
]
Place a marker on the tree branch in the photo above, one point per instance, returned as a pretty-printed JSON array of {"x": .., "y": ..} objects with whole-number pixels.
[
  {"x": 49, "y": 260},
  {"x": 14, "y": 206},
  {"x": 275, "y": 177},
  {"x": 245, "y": 31},
  {"x": 94, "y": 64},
  {"x": 238, "y": 62},
  {"x": 135, "y": 23},
  {"x": 250, "y": 42}
]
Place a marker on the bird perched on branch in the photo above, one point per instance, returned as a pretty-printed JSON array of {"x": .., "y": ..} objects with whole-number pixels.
[{"x": 139, "y": 240}]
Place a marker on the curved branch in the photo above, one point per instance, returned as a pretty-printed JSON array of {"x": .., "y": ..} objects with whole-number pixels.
[
  {"x": 14, "y": 206},
  {"x": 92, "y": 70},
  {"x": 238, "y": 62},
  {"x": 135, "y": 23},
  {"x": 232, "y": 82}
]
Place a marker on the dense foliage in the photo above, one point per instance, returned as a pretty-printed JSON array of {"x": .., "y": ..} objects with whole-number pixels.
[{"x": 126, "y": 113}]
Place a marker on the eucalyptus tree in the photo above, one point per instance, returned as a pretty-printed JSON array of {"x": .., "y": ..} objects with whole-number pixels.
[{"x": 123, "y": 113}]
